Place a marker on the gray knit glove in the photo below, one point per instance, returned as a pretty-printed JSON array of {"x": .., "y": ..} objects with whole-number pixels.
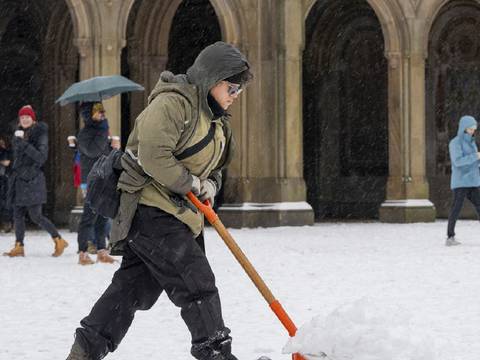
[
  {"x": 208, "y": 190},
  {"x": 196, "y": 185}
]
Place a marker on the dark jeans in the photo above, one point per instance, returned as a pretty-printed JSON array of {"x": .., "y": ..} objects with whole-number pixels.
[
  {"x": 161, "y": 254},
  {"x": 459, "y": 195},
  {"x": 35, "y": 213},
  {"x": 106, "y": 232},
  {"x": 92, "y": 227}
]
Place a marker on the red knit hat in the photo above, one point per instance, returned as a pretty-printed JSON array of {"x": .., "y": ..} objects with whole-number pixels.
[{"x": 27, "y": 110}]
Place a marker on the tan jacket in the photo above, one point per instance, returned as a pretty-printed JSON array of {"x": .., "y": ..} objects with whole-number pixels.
[{"x": 172, "y": 122}]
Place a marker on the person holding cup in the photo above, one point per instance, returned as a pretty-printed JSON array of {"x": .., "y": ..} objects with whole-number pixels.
[
  {"x": 92, "y": 142},
  {"x": 27, "y": 185}
]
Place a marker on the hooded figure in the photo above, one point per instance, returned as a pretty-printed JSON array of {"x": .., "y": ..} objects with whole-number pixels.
[
  {"x": 463, "y": 155},
  {"x": 465, "y": 180},
  {"x": 180, "y": 143}
]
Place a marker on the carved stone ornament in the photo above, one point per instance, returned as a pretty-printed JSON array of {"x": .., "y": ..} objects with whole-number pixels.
[
  {"x": 85, "y": 46},
  {"x": 415, "y": 4}
]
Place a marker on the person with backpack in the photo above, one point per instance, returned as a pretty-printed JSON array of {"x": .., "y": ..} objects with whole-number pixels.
[
  {"x": 27, "y": 186},
  {"x": 180, "y": 143},
  {"x": 92, "y": 142}
]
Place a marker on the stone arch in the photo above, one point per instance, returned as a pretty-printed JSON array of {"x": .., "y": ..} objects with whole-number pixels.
[
  {"x": 429, "y": 10},
  {"x": 147, "y": 32},
  {"x": 452, "y": 84},
  {"x": 345, "y": 115},
  {"x": 396, "y": 36},
  {"x": 81, "y": 16},
  {"x": 62, "y": 63},
  {"x": 231, "y": 19},
  {"x": 43, "y": 59}
]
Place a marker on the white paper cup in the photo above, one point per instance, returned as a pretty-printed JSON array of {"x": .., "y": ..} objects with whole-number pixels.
[
  {"x": 19, "y": 133},
  {"x": 71, "y": 141},
  {"x": 115, "y": 141}
]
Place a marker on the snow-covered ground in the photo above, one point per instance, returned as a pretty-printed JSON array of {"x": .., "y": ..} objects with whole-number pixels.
[{"x": 311, "y": 270}]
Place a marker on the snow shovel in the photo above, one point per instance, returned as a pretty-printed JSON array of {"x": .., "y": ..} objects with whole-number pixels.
[{"x": 274, "y": 304}]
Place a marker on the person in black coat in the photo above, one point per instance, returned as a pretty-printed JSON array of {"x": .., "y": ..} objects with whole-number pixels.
[
  {"x": 5, "y": 167},
  {"x": 27, "y": 185},
  {"x": 93, "y": 142}
]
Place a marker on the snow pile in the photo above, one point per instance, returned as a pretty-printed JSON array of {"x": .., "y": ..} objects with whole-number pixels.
[{"x": 362, "y": 331}]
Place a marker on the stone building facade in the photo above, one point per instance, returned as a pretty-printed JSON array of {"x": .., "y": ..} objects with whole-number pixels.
[{"x": 349, "y": 116}]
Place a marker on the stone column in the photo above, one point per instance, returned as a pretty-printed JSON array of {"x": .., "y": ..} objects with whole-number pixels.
[
  {"x": 110, "y": 64},
  {"x": 109, "y": 45},
  {"x": 88, "y": 69},
  {"x": 407, "y": 198},
  {"x": 101, "y": 55},
  {"x": 87, "y": 61},
  {"x": 266, "y": 186}
]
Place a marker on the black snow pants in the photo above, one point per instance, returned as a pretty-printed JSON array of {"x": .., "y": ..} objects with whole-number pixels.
[
  {"x": 161, "y": 254},
  {"x": 459, "y": 195}
]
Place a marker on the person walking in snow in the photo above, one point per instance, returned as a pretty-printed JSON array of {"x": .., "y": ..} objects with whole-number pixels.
[
  {"x": 77, "y": 183},
  {"x": 5, "y": 169},
  {"x": 93, "y": 142},
  {"x": 465, "y": 180},
  {"x": 27, "y": 187},
  {"x": 182, "y": 140}
]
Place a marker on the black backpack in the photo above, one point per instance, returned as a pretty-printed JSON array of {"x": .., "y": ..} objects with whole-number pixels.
[{"x": 102, "y": 194}]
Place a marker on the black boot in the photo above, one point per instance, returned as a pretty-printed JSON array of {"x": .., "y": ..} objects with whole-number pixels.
[{"x": 218, "y": 347}]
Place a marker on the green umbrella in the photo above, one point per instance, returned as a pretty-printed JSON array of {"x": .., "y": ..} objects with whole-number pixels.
[{"x": 97, "y": 89}]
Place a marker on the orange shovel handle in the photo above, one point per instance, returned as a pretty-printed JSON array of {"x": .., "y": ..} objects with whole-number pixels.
[
  {"x": 205, "y": 208},
  {"x": 274, "y": 304}
]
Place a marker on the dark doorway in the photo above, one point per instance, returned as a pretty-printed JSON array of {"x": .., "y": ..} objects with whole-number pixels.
[
  {"x": 345, "y": 110},
  {"x": 453, "y": 90},
  {"x": 21, "y": 51},
  {"x": 37, "y": 62},
  {"x": 194, "y": 26}
]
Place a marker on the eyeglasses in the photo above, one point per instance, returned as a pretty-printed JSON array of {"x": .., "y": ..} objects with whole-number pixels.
[{"x": 234, "y": 89}]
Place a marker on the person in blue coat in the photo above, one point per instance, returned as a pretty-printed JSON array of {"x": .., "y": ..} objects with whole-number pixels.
[{"x": 465, "y": 181}]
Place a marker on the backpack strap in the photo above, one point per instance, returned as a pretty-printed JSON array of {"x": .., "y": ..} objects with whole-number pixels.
[{"x": 192, "y": 150}]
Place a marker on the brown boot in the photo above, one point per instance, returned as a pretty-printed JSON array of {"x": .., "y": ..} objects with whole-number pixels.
[
  {"x": 104, "y": 257},
  {"x": 16, "y": 251},
  {"x": 84, "y": 259},
  {"x": 60, "y": 246}
]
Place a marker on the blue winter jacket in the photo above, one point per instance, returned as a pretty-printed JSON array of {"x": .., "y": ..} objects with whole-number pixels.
[{"x": 463, "y": 156}]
